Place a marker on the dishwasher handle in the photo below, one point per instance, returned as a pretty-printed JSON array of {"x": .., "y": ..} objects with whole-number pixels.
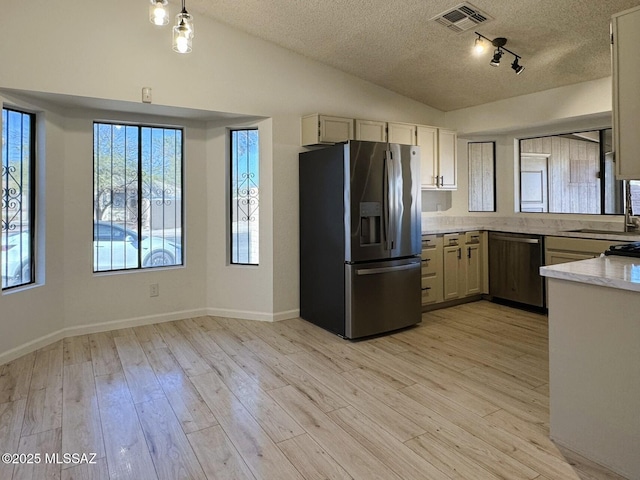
[{"x": 507, "y": 238}]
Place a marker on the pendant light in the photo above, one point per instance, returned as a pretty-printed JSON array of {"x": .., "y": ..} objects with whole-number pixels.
[
  {"x": 158, "y": 14},
  {"x": 183, "y": 31}
]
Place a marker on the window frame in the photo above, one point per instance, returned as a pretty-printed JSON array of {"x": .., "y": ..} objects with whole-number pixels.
[
  {"x": 32, "y": 179},
  {"x": 601, "y": 159},
  {"x": 139, "y": 195},
  {"x": 231, "y": 194}
]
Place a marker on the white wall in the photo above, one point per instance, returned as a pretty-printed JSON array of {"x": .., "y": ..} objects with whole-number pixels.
[{"x": 107, "y": 51}]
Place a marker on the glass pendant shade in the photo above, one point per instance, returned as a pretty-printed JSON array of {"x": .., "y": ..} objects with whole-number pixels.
[
  {"x": 183, "y": 33},
  {"x": 158, "y": 14}
]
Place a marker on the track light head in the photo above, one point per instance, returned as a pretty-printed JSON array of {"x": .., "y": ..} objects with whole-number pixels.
[
  {"x": 478, "y": 45},
  {"x": 516, "y": 67},
  {"x": 497, "y": 55}
]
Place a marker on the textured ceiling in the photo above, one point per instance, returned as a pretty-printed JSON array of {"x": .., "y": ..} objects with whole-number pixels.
[{"x": 393, "y": 43}]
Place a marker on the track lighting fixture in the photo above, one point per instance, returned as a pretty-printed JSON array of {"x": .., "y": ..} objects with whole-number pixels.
[
  {"x": 182, "y": 31},
  {"x": 497, "y": 55},
  {"x": 517, "y": 68},
  {"x": 499, "y": 44}
]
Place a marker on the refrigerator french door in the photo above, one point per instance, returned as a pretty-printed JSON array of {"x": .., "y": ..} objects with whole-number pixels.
[{"x": 360, "y": 237}]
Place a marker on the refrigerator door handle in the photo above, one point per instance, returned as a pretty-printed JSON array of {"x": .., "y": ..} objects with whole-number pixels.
[
  {"x": 390, "y": 172},
  {"x": 375, "y": 271},
  {"x": 388, "y": 241}
]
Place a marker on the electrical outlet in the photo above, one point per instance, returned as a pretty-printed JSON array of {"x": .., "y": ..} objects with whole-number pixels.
[{"x": 154, "y": 290}]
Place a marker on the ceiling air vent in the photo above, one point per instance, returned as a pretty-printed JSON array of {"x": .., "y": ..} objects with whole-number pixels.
[{"x": 462, "y": 18}]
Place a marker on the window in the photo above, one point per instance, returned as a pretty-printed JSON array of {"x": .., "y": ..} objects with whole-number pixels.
[
  {"x": 18, "y": 198},
  {"x": 245, "y": 181},
  {"x": 570, "y": 173},
  {"x": 137, "y": 197},
  {"x": 482, "y": 189}
]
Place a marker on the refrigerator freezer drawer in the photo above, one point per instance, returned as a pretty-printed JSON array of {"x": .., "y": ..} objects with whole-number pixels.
[{"x": 382, "y": 296}]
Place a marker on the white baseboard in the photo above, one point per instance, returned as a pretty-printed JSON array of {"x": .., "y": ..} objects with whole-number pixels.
[
  {"x": 73, "y": 331},
  {"x": 53, "y": 337},
  {"x": 252, "y": 315}
]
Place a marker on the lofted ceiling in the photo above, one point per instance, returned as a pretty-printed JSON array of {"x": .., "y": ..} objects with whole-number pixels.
[{"x": 394, "y": 44}]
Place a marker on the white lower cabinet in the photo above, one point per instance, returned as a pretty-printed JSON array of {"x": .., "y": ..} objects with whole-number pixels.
[
  {"x": 453, "y": 285},
  {"x": 566, "y": 249},
  {"x": 431, "y": 269},
  {"x": 455, "y": 269},
  {"x": 473, "y": 263}
]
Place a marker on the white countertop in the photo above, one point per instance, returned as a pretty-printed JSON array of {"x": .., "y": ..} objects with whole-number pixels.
[
  {"x": 606, "y": 271},
  {"x": 559, "y": 228}
]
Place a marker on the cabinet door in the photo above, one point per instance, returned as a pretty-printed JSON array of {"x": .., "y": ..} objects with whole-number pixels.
[
  {"x": 626, "y": 93},
  {"x": 451, "y": 276},
  {"x": 335, "y": 129},
  {"x": 447, "y": 159},
  {"x": 427, "y": 139},
  {"x": 371, "y": 131},
  {"x": 403, "y": 133},
  {"x": 473, "y": 269},
  {"x": 323, "y": 129}
]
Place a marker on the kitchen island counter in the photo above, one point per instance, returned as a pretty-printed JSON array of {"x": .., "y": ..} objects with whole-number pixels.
[
  {"x": 605, "y": 271},
  {"x": 594, "y": 359}
]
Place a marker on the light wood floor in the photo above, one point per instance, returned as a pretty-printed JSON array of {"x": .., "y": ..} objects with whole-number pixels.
[{"x": 462, "y": 396}]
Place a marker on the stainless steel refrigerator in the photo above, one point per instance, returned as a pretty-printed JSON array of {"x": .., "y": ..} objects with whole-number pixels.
[{"x": 360, "y": 237}]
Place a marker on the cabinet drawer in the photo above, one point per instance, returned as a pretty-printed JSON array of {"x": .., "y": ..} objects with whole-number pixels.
[
  {"x": 431, "y": 241},
  {"x": 430, "y": 263},
  {"x": 431, "y": 291},
  {"x": 472, "y": 237},
  {"x": 451, "y": 239}
]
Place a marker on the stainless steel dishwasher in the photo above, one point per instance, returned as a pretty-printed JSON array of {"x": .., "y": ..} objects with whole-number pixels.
[{"x": 514, "y": 268}]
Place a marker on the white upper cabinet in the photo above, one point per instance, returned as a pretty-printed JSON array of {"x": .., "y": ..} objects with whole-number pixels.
[
  {"x": 438, "y": 158},
  {"x": 371, "y": 130},
  {"x": 625, "y": 27},
  {"x": 323, "y": 129},
  {"x": 403, "y": 133},
  {"x": 447, "y": 159}
]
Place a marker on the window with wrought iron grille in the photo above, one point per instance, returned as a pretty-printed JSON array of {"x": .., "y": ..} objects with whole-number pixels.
[
  {"x": 245, "y": 197},
  {"x": 18, "y": 198},
  {"x": 137, "y": 196}
]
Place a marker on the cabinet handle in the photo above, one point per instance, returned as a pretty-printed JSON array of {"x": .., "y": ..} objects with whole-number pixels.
[
  {"x": 425, "y": 260},
  {"x": 437, "y": 181},
  {"x": 426, "y": 288},
  {"x": 441, "y": 180},
  {"x": 459, "y": 253},
  {"x": 468, "y": 252}
]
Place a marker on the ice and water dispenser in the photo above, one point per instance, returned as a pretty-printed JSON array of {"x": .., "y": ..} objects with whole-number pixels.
[{"x": 370, "y": 223}]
